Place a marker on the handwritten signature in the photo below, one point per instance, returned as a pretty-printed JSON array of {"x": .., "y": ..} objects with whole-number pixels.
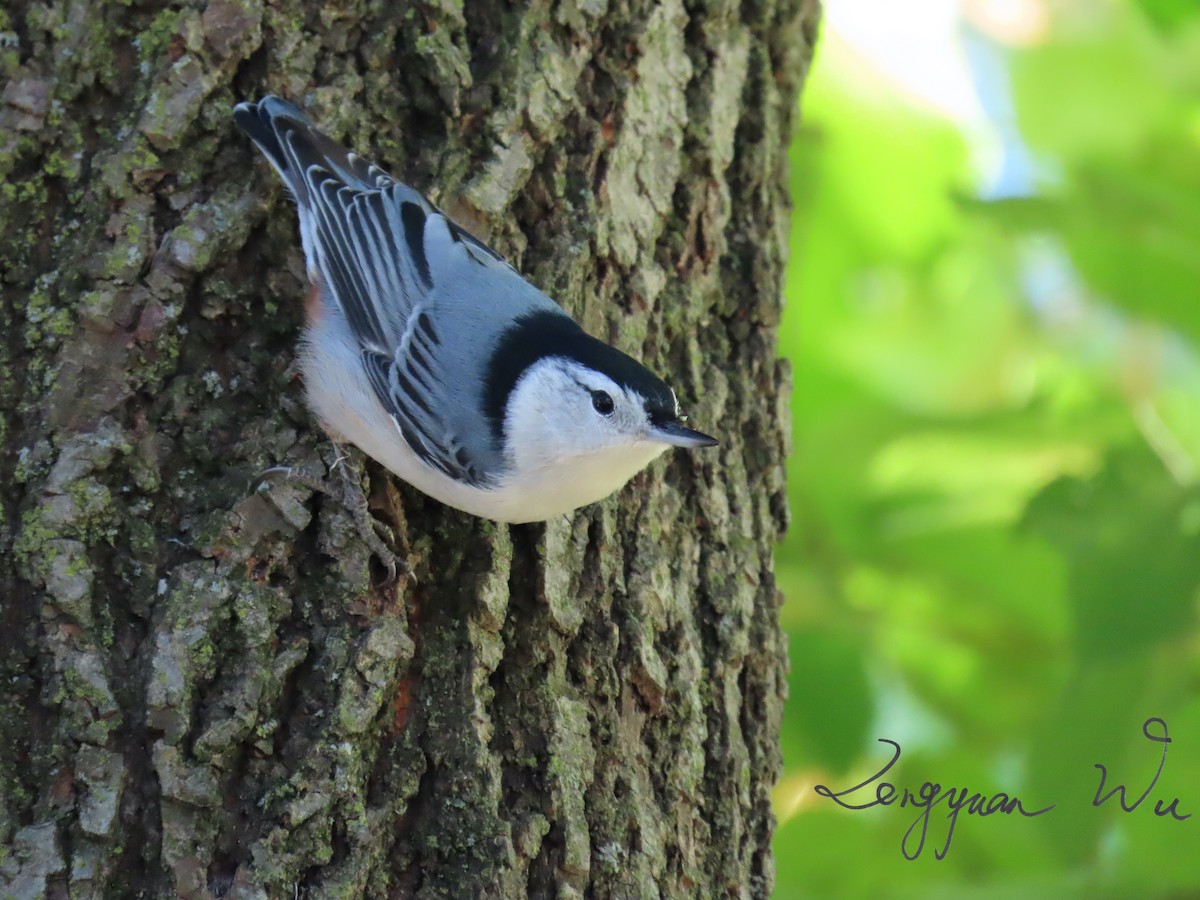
[{"x": 931, "y": 794}]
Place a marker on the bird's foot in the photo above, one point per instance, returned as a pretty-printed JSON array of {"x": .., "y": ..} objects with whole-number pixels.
[{"x": 346, "y": 490}]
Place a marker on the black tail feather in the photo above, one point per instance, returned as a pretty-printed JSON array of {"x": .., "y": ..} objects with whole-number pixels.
[
  {"x": 258, "y": 121},
  {"x": 273, "y": 121}
]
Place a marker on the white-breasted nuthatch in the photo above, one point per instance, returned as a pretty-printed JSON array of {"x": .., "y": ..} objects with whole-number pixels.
[{"x": 430, "y": 353}]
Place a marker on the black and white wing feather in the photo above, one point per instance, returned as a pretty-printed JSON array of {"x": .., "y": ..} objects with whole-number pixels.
[{"x": 365, "y": 236}]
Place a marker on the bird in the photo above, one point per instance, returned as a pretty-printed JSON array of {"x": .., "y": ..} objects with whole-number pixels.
[{"x": 429, "y": 352}]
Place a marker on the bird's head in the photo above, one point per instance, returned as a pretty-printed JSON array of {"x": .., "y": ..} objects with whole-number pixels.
[{"x": 578, "y": 401}]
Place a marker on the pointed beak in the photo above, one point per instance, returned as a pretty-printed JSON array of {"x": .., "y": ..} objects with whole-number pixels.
[{"x": 677, "y": 434}]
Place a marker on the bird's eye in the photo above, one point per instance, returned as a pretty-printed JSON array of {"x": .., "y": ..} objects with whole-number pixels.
[{"x": 602, "y": 403}]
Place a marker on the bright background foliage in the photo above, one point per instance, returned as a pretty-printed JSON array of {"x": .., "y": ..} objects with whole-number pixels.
[{"x": 994, "y": 324}]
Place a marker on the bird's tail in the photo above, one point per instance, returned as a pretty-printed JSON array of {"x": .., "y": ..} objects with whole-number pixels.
[{"x": 293, "y": 146}]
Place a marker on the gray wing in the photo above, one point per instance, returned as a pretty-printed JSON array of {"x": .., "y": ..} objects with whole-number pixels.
[
  {"x": 412, "y": 390},
  {"x": 372, "y": 251},
  {"x": 379, "y": 254},
  {"x": 392, "y": 263}
]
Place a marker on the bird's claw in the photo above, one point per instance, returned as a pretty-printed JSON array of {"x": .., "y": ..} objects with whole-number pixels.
[{"x": 349, "y": 495}]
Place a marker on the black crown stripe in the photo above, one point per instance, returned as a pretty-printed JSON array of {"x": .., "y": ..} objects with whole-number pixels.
[{"x": 549, "y": 333}]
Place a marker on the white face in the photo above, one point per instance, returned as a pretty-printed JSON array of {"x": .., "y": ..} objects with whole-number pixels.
[
  {"x": 561, "y": 410},
  {"x": 573, "y": 436}
]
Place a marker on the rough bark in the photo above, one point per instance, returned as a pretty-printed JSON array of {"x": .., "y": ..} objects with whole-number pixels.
[{"x": 206, "y": 689}]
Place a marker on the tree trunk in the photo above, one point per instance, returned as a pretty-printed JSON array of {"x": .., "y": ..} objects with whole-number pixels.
[{"x": 208, "y": 688}]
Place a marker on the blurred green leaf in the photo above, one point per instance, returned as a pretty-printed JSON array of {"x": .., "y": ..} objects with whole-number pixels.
[
  {"x": 1132, "y": 555},
  {"x": 829, "y": 728},
  {"x": 1170, "y": 15},
  {"x": 995, "y": 549}
]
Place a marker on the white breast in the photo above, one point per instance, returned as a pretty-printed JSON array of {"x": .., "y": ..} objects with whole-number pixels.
[{"x": 348, "y": 409}]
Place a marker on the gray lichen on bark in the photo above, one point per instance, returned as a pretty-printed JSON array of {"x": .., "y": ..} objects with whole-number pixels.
[{"x": 205, "y": 685}]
